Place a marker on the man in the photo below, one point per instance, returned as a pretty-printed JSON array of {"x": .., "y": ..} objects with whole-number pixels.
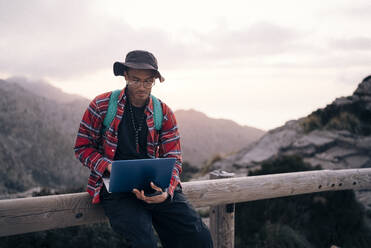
[{"x": 132, "y": 135}]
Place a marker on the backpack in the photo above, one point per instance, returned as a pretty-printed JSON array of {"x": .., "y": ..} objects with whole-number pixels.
[{"x": 112, "y": 109}]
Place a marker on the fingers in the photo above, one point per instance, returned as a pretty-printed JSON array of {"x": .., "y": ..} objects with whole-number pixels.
[
  {"x": 109, "y": 168},
  {"x": 155, "y": 187},
  {"x": 144, "y": 197},
  {"x": 136, "y": 193},
  {"x": 157, "y": 198},
  {"x": 151, "y": 199},
  {"x": 139, "y": 194}
]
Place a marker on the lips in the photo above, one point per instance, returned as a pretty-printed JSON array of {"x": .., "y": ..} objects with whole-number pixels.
[{"x": 141, "y": 93}]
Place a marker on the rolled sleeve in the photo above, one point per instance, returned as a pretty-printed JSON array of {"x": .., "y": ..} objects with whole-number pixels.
[
  {"x": 170, "y": 146},
  {"x": 87, "y": 142}
]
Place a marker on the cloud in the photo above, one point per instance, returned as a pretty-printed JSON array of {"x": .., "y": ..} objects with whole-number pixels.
[
  {"x": 45, "y": 37},
  {"x": 67, "y": 39},
  {"x": 230, "y": 47},
  {"x": 357, "y": 11},
  {"x": 357, "y": 43},
  {"x": 255, "y": 40}
]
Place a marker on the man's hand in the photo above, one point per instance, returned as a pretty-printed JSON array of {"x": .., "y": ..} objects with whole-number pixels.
[
  {"x": 109, "y": 168},
  {"x": 151, "y": 199}
]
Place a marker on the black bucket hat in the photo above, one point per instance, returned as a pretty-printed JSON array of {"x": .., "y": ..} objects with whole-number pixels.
[{"x": 137, "y": 59}]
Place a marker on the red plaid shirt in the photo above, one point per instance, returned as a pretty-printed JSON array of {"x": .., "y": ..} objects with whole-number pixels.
[{"x": 96, "y": 151}]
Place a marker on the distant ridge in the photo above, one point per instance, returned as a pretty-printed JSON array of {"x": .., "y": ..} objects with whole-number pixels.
[
  {"x": 204, "y": 137},
  {"x": 44, "y": 89}
]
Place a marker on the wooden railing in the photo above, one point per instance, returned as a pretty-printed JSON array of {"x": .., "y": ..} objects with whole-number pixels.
[{"x": 33, "y": 214}]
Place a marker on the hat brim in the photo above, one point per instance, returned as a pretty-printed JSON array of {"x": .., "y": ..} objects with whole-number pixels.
[{"x": 119, "y": 69}]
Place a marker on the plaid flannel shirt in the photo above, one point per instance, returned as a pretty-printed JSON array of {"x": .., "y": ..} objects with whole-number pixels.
[{"x": 96, "y": 150}]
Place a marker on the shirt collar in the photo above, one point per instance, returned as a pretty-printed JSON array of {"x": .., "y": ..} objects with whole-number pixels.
[{"x": 124, "y": 98}]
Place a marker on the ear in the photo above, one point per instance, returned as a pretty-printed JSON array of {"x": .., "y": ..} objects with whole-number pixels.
[{"x": 126, "y": 75}]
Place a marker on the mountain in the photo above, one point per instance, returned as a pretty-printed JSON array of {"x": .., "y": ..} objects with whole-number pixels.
[
  {"x": 44, "y": 89},
  {"x": 36, "y": 142},
  {"x": 38, "y": 130},
  {"x": 203, "y": 137},
  {"x": 335, "y": 137}
]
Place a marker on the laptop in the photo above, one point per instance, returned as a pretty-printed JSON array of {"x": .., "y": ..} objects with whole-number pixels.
[{"x": 129, "y": 174}]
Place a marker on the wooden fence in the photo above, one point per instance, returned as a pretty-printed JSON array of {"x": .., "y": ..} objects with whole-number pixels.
[{"x": 33, "y": 214}]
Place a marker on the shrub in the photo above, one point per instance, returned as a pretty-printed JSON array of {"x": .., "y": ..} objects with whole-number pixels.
[
  {"x": 344, "y": 121},
  {"x": 310, "y": 220},
  {"x": 209, "y": 164},
  {"x": 188, "y": 171},
  {"x": 311, "y": 123}
]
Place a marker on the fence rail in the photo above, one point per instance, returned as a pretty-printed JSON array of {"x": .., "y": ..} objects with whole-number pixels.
[{"x": 56, "y": 211}]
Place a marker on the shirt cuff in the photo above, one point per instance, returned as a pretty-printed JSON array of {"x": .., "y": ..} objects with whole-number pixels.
[
  {"x": 170, "y": 190},
  {"x": 102, "y": 165}
]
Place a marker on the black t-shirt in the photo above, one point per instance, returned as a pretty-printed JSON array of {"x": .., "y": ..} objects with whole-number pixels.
[{"x": 126, "y": 146}]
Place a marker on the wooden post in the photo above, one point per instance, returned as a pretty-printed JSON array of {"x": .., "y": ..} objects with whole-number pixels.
[{"x": 222, "y": 218}]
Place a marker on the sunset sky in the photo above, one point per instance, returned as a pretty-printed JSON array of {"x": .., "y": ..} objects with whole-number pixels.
[{"x": 259, "y": 63}]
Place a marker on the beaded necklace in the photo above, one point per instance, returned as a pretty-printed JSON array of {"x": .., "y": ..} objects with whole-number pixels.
[{"x": 140, "y": 126}]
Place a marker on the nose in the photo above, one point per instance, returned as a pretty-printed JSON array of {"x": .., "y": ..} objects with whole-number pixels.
[{"x": 141, "y": 86}]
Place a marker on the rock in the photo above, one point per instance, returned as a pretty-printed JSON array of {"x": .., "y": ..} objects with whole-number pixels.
[
  {"x": 315, "y": 138},
  {"x": 342, "y": 101},
  {"x": 364, "y": 143},
  {"x": 357, "y": 161},
  {"x": 364, "y": 88}
]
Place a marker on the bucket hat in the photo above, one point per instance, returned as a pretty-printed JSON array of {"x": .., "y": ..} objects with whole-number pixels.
[{"x": 138, "y": 59}]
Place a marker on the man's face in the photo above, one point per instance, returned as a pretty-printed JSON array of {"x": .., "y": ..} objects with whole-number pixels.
[{"x": 139, "y": 83}]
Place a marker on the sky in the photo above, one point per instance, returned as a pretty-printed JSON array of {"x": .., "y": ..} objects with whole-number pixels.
[{"x": 259, "y": 63}]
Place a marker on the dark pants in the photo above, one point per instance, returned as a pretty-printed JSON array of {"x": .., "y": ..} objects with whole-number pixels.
[{"x": 175, "y": 221}]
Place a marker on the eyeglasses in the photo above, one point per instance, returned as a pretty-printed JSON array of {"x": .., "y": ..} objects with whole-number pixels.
[{"x": 148, "y": 83}]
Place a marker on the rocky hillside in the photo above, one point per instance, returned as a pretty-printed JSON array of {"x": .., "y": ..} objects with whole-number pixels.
[{"x": 335, "y": 137}]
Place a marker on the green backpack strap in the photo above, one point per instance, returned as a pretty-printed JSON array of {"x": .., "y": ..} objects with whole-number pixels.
[
  {"x": 112, "y": 109},
  {"x": 157, "y": 113}
]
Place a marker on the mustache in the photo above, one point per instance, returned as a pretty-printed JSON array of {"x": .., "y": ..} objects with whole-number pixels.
[{"x": 142, "y": 92}]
